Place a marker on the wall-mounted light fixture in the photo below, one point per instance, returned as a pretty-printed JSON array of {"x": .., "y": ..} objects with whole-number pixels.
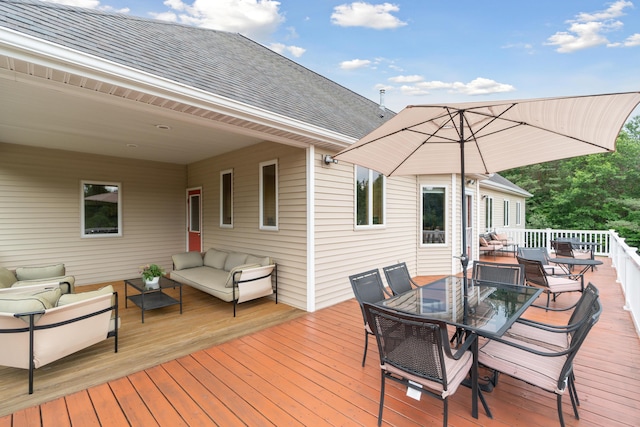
[
  {"x": 484, "y": 196},
  {"x": 329, "y": 160},
  {"x": 471, "y": 181}
]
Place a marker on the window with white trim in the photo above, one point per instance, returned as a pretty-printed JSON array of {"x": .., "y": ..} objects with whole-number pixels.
[
  {"x": 101, "y": 209},
  {"x": 433, "y": 208},
  {"x": 506, "y": 205},
  {"x": 269, "y": 195},
  {"x": 518, "y": 213},
  {"x": 370, "y": 197},
  {"x": 488, "y": 213},
  {"x": 226, "y": 199}
]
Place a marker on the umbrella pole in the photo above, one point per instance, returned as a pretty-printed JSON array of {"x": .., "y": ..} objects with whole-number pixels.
[{"x": 464, "y": 258}]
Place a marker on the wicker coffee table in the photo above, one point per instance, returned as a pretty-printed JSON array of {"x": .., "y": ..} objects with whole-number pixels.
[{"x": 149, "y": 299}]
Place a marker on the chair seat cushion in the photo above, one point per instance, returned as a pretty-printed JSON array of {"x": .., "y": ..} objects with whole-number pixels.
[
  {"x": 540, "y": 371},
  {"x": 457, "y": 371},
  {"x": 563, "y": 284},
  {"x": 553, "y": 341}
]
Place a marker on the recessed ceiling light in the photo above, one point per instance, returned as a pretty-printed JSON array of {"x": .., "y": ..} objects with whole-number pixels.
[{"x": 163, "y": 127}]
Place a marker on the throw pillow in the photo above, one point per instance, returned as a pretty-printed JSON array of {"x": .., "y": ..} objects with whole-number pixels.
[
  {"x": 215, "y": 259},
  {"x": 7, "y": 278},
  {"x": 21, "y": 303},
  {"x": 81, "y": 296},
  {"x": 233, "y": 260},
  {"x": 263, "y": 261},
  {"x": 44, "y": 272},
  {"x": 483, "y": 242},
  {"x": 187, "y": 260}
]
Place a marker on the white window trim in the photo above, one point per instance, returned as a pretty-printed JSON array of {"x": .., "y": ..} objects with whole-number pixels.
[
  {"x": 518, "y": 213},
  {"x": 262, "y": 226},
  {"x": 222, "y": 174},
  {"x": 82, "y": 213},
  {"x": 446, "y": 216},
  {"x": 370, "y": 224}
]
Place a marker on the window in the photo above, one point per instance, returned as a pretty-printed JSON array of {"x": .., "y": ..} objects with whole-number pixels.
[
  {"x": 518, "y": 213},
  {"x": 101, "y": 205},
  {"x": 226, "y": 198},
  {"x": 488, "y": 213},
  {"x": 433, "y": 215},
  {"x": 269, "y": 195},
  {"x": 506, "y": 213},
  {"x": 370, "y": 195}
]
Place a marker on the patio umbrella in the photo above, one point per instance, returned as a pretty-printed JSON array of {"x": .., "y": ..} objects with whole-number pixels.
[{"x": 488, "y": 137}]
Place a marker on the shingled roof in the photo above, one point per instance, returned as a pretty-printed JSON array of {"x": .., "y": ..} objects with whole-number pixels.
[{"x": 221, "y": 63}]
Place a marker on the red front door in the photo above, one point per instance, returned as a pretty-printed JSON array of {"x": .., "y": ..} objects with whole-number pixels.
[{"x": 194, "y": 219}]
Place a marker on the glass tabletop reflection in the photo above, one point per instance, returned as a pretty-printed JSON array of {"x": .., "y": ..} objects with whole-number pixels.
[{"x": 491, "y": 308}]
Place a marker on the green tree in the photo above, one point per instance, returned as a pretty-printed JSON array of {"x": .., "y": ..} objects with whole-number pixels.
[{"x": 595, "y": 192}]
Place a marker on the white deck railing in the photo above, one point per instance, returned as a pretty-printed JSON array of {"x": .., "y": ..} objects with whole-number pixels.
[{"x": 625, "y": 259}]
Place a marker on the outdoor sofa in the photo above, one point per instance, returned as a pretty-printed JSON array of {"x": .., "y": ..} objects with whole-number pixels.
[
  {"x": 32, "y": 276},
  {"x": 39, "y": 324},
  {"x": 230, "y": 276}
]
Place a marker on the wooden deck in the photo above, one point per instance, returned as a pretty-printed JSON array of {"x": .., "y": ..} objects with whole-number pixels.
[{"x": 306, "y": 371}]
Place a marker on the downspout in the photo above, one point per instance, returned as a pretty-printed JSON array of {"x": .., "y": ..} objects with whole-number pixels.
[{"x": 311, "y": 228}]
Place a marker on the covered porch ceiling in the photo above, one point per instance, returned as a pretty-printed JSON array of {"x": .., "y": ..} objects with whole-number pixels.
[{"x": 95, "y": 109}]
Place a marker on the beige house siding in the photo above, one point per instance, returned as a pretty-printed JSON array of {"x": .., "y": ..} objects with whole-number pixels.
[
  {"x": 498, "y": 209},
  {"x": 40, "y": 212},
  {"x": 340, "y": 249},
  {"x": 287, "y": 245}
]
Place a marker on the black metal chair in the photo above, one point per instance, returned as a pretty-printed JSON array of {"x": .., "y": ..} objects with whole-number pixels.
[
  {"x": 367, "y": 287},
  {"x": 399, "y": 279},
  {"x": 414, "y": 351},
  {"x": 536, "y": 275},
  {"x": 497, "y": 272},
  {"x": 564, "y": 248},
  {"x": 536, "y": 364},
  {"x": 541, "y": 254}
]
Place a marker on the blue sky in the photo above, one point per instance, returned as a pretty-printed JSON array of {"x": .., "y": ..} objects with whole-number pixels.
[{"x": 425, "y": 51}]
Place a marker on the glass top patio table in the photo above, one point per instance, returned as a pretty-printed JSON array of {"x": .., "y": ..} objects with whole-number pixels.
[{"x": 491, "y": 307}]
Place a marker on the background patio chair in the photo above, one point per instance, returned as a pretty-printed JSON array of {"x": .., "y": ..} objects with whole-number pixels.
[
  {"x": 367, "y": 287},
  {"x": 399, "y": 279},
  {"x": 536, "y": 275},
  {"x": 549, "y": 370},
  {"x": 415, "y": 350},
  {"x": 565, "y": 248},
  {"x": 541, "y": 254},
  {"x": 485, "y": 271}
]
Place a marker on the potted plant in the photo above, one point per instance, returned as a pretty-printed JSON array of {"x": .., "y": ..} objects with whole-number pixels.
[{"x": 151, "y": 275}]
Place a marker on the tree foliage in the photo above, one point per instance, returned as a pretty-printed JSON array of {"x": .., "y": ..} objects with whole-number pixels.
[{"x": 595, "y": 192}]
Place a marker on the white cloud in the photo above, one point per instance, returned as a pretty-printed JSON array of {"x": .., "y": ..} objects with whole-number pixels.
[
  {"x": 588, "y": 29},
  {"x": 355, "y": 64},
  {"x": 406, "y": 79},
  {"x": 631, "y": 41},
  {"x": 361, "y": 14},
  {"x": 281, "y": 48},
  {"x": 478, "y": 86},
  {"x": 256, "y": 19}
]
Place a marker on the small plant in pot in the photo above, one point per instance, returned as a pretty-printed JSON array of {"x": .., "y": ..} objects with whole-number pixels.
[{"x": 151, "y": 275}]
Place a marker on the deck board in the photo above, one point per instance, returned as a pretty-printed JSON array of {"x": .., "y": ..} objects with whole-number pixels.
[{"x": 306, "y": 370}]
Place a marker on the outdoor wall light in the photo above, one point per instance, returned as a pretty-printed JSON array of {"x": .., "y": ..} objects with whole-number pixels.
[
  {"x": 328, "y": 160},
  {"x": 471, "y": 181}
]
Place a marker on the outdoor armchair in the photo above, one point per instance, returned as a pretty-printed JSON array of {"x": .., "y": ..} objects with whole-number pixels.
[
  {"x": 548, "y": 369},
  {"x": 399, "y": 279},
  {"x": 541, "y": 254},
  {"x": 564, "y": 248},
  {"x": 415, "y": 352},
  {"x": 367, "y": 287},
  {"x": 536, "y": 275}
]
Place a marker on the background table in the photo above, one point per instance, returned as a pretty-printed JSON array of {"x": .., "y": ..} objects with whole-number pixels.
[{"x": 569, "y": 263}]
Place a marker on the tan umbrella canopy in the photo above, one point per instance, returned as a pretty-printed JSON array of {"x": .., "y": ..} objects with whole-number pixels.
[{"x": 487, "y": 137}]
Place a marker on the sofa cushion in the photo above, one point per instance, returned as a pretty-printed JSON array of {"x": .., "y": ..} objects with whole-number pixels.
[
  {"x": 229, "y": 282},
  {"x": 7, "y": 278},
  {"x": 234, "y": 259},
  {"x": 43, "y": 272},
  {"x": 51, "y": 295},
  {"x": 263, "y": 261},
  {"x": 187, "y": 260},
  {"x": 81, "y": 296},
  {"x": 215, "y": 258},
  {"x": 483, "y": 242},
  {"x": 21, "y": 303}
]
